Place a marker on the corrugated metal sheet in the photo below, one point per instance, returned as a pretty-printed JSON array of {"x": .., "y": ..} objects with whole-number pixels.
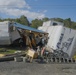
[{"x": 27, "y": 28}]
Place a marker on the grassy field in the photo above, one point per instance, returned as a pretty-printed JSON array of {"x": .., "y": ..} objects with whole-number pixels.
[{"x": 9, "y": 50}]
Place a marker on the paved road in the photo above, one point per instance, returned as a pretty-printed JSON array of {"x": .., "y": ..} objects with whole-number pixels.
[{"x": 22, "y": 68}]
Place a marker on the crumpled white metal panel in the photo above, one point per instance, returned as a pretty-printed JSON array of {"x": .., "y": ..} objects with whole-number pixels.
[
  {"x": 60, "y": 38},
  {"x": 4, "y": 34}
]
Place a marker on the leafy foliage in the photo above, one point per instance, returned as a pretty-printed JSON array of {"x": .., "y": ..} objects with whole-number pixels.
[
  {"x": 45, "y": 19},
  {"x": 22, "y": 20},
  {"x": 38, "y": 22},
  {"x": 67, "y": 22}
]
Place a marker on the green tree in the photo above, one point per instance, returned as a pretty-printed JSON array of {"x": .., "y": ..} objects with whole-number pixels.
[
  {"x": 36, "y": 23},
  {"x": 23, "y": 20},
  {"x": 17, "y": 20},
  {"x": 45, "y": 19},
  {"x": 67, "y": 22},
  {"x": 73, "y": 25},
  {"x": 57, "y": 19}
]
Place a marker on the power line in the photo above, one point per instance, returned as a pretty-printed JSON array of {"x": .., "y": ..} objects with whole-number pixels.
[
  {"x": 41, "y": 5},
  {"x": 73, "y": 6}
]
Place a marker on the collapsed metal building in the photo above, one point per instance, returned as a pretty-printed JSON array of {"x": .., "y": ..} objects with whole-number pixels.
[
  {"x": 11, "y": 32},
  {"x": 61, "y": 38}
]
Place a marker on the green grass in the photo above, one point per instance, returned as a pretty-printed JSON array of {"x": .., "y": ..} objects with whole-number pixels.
[
  {"x": 11, "y": 50},
  {"x": 7, "y": 51}
]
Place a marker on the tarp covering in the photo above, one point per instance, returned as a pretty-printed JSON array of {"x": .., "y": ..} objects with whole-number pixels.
[{"x": 27, "y": 28}]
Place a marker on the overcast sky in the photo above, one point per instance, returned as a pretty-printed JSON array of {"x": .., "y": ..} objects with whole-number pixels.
[{"x": 38, "y": 9}]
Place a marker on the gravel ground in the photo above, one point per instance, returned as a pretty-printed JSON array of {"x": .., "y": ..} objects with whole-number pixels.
[{"x": 22, "y": 68}]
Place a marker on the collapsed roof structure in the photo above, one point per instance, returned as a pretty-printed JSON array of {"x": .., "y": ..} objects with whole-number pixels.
[{"x": 11, "y": 31}]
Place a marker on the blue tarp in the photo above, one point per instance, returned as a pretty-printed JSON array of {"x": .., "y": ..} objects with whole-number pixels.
[{"x": 27, "y": 28}]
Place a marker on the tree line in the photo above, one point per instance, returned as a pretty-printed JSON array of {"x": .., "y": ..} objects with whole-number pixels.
[{"x": 38, "y": 22}]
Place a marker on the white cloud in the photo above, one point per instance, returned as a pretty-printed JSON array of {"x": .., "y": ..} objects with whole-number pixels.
[
  {"x": 45, "y": 11},
  {"x": 15, "y": 8},
  {"x": 42, "y": 11},
  {"x": 18, "y": 12},
  {"x": 14, "y": 3}
]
